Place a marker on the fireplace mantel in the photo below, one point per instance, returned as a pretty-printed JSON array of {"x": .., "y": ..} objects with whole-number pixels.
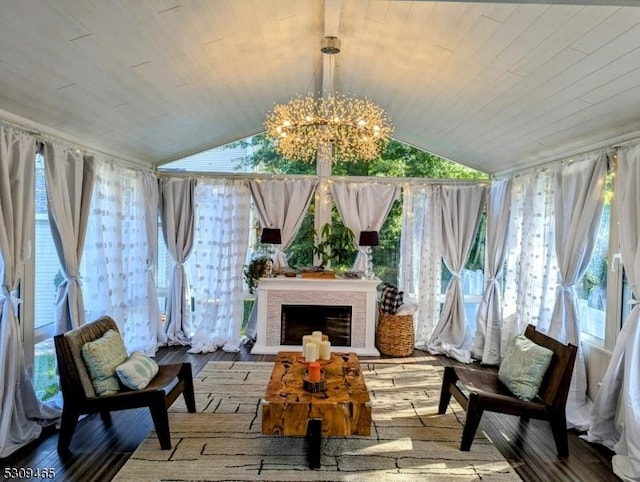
[{"x": 360, "y": 294}]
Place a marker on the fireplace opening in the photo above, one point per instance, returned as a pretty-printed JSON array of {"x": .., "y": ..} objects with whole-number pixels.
[{"x": 299, "y": 320}]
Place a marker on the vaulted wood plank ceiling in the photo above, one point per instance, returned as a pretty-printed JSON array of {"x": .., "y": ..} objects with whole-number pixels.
[{"x": 496, "y": 86}]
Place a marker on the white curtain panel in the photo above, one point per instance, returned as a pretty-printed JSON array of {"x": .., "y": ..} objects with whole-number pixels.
[
  {"x": 282, "y": 204},
  {"x": 421, "y": 255},
  {"x": 615, "y": 417},
  {"x": 216, "y": 264},
  {"x": 177, "y": 210},
  {"x": 69, "y": 183},
  {"x": 363, "y": 206},
  {"x": 461, "y": 210},
  {"x": 531, "y": 270},
  {"x": 486, "y": 344},
  {"x": 579, "y": 198},
  {"x": 22, "y": 415},
  {"x": 151, "y": 199},
  {"x": 116, "y": 259}
]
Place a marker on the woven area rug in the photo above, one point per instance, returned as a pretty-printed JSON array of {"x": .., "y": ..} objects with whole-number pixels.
[{"x": 409, "y": 440}]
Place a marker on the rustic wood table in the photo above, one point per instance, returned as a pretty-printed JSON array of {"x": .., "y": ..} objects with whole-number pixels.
[{"x": 342, "y": 409}]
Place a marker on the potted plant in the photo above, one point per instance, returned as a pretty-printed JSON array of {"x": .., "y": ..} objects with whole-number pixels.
[
  {"x": 334, "y": 245},
  {"x": 257, "y": 268}
]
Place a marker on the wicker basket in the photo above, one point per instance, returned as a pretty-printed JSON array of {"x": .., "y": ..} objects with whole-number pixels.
[{"x": 394, "y": 335}]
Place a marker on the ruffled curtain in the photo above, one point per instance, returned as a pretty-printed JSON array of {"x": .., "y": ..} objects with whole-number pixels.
[
  {"x": 486, "y": 344},
  {"x": 22, "y": 414},
  {"x": 282, "y": 204},
  {"x": 69, "y": 183},
  {"x": 615, "y": 417},
  {"x": 363, "y": 206},
  {"x": 531, "y": 270},
  {"x": 215, "y": 266},
  {"x": 421, "y": 254},
  {"x": 461, "y": 210},
  {"x": 579, "y": 198},
  {"x": 177, "y": 209},
  {"x": 117, "y": 255}
]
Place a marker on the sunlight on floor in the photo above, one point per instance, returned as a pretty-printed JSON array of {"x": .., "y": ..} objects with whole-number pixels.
[{"x": 402, "y": 444}]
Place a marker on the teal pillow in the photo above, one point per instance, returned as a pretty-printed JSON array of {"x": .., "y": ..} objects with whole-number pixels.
[
  {"x": 101, "y": 357},
  {"x": 137, "y": 371},
  {"x": 524, "y": 366}
]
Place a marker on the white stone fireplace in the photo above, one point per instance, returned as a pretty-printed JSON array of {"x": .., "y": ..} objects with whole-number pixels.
[{"x": 358, "y": 294}]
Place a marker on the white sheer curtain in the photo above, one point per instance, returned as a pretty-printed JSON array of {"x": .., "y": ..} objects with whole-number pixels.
[
  {"x": 579, "y": 198},
  {"x": 531, "y": 271},
  {"x": 486, "y": 344},
  {"x": 282, "y": 204},
  {"x": 177, "y": 209},
  {"x": 215, "y": 266},
  {"x": 69, "y": 179},
  {"x": 116, "y": 260},
  {"x": 461, "y": 210},
  {"x": 615, "y": 417},
  {"x": 363, "y": 206},
  {"x": 22, "y": 415},
  {"x": 421, "y": 254}
]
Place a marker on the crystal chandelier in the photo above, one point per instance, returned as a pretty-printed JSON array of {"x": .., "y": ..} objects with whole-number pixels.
[{"x": 353, "y": 129}]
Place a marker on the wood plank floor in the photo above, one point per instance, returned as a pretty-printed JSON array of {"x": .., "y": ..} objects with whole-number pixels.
[{"x": 99, "y": 452}]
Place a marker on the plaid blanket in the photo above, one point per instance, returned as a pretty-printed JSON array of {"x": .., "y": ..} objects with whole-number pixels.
[{"x": 390, "y": 299}]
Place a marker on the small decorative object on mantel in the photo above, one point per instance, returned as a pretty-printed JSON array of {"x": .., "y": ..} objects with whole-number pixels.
[{"x": 318, "y": 272}]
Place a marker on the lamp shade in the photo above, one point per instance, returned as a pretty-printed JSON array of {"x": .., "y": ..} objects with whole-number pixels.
[
  {"x": 271, "y": 236},
  {"x": 369, "y": 238}
]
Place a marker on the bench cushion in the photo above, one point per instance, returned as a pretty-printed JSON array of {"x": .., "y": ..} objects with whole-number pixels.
[
  {"x": 524, "y": 366},
  {"x": 137, "y": 371},
  {"x": 101, "y": 358}
]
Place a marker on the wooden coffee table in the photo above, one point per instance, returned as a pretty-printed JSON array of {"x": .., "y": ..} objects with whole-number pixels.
[{"x": 343, "y": 409}]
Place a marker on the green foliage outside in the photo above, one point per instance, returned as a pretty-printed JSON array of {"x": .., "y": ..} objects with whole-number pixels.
[
  {"x": 398, "y": 160},
  {"x": 46, "y": 377}
]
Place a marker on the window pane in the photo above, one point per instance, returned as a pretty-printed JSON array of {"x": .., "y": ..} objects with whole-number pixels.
[
  {"x": 592, "y": 289},
  {"x": 48, "y": 276},
  {"x": 47, "y": 266}
]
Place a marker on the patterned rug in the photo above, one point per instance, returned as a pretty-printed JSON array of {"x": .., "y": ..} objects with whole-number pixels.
[{"x": 409, "y": 440}]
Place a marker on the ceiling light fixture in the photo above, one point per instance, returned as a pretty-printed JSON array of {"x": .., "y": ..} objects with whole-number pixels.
[{"x": 352, "y": 129}]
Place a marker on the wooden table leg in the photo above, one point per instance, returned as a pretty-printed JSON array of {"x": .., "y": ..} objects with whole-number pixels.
[{"x": 314, "y": 437}]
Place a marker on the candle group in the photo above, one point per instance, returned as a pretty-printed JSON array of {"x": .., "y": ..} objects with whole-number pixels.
[{"x": 316, "y": 346}]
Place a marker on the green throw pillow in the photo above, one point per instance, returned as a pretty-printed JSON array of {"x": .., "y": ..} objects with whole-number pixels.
[
  {"x": 101, "y": 357},
  {"x": 137, "y": 371},
  {"x": 524, "y": 366}
]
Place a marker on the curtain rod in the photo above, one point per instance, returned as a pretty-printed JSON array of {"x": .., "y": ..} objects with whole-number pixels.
[
  {"x": 40, "y": 136},
  {"x": 371, "y": 179}
]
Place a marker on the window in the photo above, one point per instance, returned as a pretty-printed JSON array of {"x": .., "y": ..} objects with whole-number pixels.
[
  {"x": 43, "y": 268},
  {"x": 592, "y": 289}
]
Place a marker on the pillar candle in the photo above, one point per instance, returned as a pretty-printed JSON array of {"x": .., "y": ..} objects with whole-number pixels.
[
  {"x": 325, "y": 350},
  {"x": 310, "y": 352},
  {"x": 317, "y": 335},
  {"x": 306, "y": 339},
  {"x": 314, "y": 372}
]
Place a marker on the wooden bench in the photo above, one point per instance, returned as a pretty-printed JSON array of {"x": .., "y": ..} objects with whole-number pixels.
[{"x": 480, "y": 390}]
